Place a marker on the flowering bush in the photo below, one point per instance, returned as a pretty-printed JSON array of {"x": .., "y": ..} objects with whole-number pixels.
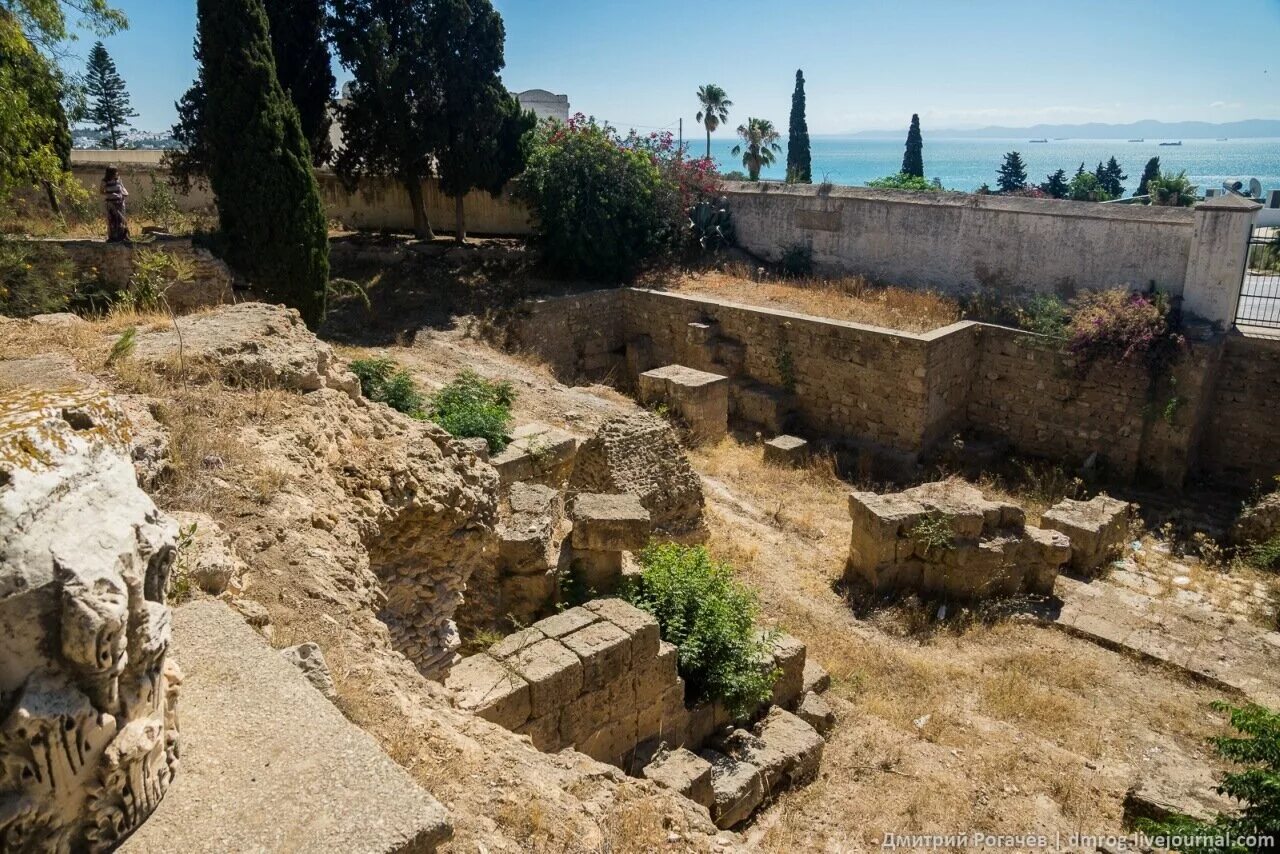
[
  {"x": 606, "y": 204},
  {"x": 1119, "y": 326}
]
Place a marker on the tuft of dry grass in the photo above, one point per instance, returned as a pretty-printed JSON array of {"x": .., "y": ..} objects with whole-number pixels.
[{"x": 848, "y": 298}]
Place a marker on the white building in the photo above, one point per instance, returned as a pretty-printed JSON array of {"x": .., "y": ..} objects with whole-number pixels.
[{"x": 545, "y": 105}]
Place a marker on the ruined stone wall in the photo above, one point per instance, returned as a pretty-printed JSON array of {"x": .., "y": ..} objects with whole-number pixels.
[
  {"x": 210, "y": 278},
  {"x": 580, "y": 335},
  {"x": 1240, "y": 435},
  {"x": 957, "y": 241}
]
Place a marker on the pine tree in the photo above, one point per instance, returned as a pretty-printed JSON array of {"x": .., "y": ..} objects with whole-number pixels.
[
  {"x": 273, "y": 226},
  {"x": 799, "y": 158},
  {"x": 1057, "y": 186},
  {"x": 1151, "y": 170},
  {"x": 913, "y": 159},
  {"x": 1111, "y": 178},
  {"x": 467, "y": 39},
  {"x": 1012, "y": 175},
  {"x": 109, "y": 109},
  {"x": 391, "y": 120}
]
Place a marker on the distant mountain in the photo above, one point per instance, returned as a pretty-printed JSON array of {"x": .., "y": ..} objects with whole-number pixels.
[{"x": 1145, "y": 129}]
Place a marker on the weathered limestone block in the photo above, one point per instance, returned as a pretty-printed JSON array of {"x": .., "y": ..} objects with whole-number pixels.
[
  {"x": 206, "y": 556},
  {"x": 252, "y": 342},
  {"x": 737, "y": 787},
  {"x": 785, "y": 749},
  {"x": 526, "y": 534},
  {"x": 309, "y": 659},
  {"x": 537, "y": 453},
  {"x": 597, "y": 573},
  {"x": 769, "y": 407},
  {"x": 643, "y": 628},
  {"x": 609, "y": 523},
  {"x": 787, "y": 654},
  {"x": 1096, "y": 527},
  {"x": 605, "y": 651},
  {"x": 816, "y": 712},
  {"x": 1259, "y": 522},
  {"x": 945, "y": 539},
  {"x": 816, "y": 678},
  {"x": 484, "y": 686},
  {"x": 554, "y": 674},
  {"x": 640, "y": 455},
  {"x": 701, "y": 399},
  {"x": 683, "y": 772},
  {"x": 88, "y": 738},
  {"x": 786, "y": 451}
]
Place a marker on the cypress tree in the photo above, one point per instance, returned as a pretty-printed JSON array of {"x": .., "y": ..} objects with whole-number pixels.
[
  {"x": 304, "y": 67},
  {"x": 109, "y": 107},
  {"x": 1151, "y": 170},
  {"x": 272, "y": 222},
  {"x": 799, "y": 158},
  {"x": 913, "y": 159},
  {"x": 1012, "y": 175},
  {"x": 481, "y": 123}
]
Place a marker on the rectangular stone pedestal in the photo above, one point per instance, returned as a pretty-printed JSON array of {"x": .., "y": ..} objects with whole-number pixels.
[{"x": 701, "y": 399}]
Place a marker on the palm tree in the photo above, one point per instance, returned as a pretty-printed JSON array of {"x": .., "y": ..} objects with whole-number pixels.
[
  {"x": 715, "y": 109},
  {"x": 761, "y": 141}
]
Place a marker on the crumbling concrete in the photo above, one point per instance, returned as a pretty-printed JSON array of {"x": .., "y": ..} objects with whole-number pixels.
[
  {"x": 701, "y": 399},
  {"x": 1096, "y": 527},
  {"x": 945, "y": 539}
]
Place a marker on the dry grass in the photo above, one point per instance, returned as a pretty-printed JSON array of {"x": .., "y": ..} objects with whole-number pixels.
[{"x": 850, "y": 298}]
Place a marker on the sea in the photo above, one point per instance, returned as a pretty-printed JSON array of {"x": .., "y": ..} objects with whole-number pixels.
[{"x": 965, "y": 164}]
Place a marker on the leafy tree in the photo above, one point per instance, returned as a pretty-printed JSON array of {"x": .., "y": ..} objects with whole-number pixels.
[
  {"x": 303, "y": 68},
  {"x": 467, "y": 37},
  {"x": 1085, "y": 187},
  {"x": 1111, "y": 178},
  {"x": 1172, "y": 191},
  {"x": 913, "y": 159},
  {"x": 759, "y": 144},
  {"x": 1056, "y": 185},
  {"x": 35, "y": 136},
  {"x": 272, "y": 222},
  {"x": 391, "y": 121},
  {"x": 799, "y": 159},
  {"x": 715, "y": 109},
  {"x": 1256, "y": 787},
  {"x": 903, "y": 181},
  {"x": 1151, "y": 170},
  {"x": 1012, "y": 175},
  {"x": 109, "y": 107}
]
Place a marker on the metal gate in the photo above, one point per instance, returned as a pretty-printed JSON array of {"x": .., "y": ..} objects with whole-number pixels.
[{"x": 1260, "y": 290}]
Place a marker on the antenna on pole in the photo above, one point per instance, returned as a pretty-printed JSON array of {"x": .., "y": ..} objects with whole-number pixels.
[{"x": 680, "y": 146}]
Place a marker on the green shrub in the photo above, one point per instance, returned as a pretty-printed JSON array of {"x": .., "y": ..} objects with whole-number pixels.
[
  {"x": 473, "y": 407},
  {"x": 710, "y": 617},
  {"x": 1265, "y": 555},
  {"x": 598, "y": 205},
  {"x": 35, "y": 278},
  {"x": 796, "y": 260},
  {"x": 1172, "y": 191},
  {"x": 1265, "y": 257},
  {"x": 1045, "y": 314},
  {"x": 1256, "y": 787},
  {"x": 383, "y": 381},
  {"x": 935, "y": 531},
  {"x": 903, "y": 181}
]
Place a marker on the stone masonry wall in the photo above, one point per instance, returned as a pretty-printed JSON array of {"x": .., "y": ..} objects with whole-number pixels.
[
  {"x": 209, "y": 284},
  {"x": 1240, "y": 435},
  {"x": 580, "y": 335}
]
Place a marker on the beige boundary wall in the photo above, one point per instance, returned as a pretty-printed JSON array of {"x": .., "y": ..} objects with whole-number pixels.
[
  {"x": 375, "y": 204},
  {"x": 903, "y": 393}
]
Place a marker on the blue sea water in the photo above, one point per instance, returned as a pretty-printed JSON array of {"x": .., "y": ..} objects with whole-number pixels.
[{"x": 965, "y": 164}]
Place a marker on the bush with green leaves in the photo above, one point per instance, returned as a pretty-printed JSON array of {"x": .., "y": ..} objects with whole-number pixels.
[
  {"x": 1265, "y": 555},
  {"x": 383, "y": 381},
  {"x": 1172, "y": 191},
  {"x": 472, "y": 407},
  {"x": 710, "y": 617},
  {"x": 1045, "y": 314},
  {"x": 903, "y": 181},
  {"x": 796, "y": 260},
  {"x": 35, "y": 278},
  {"x": 1256, "y": 786}
]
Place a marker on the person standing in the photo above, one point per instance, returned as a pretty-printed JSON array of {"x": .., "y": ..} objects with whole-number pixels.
[{"x": 113, "y": 196}]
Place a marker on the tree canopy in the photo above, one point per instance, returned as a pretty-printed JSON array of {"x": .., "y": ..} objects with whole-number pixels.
[
  {"x": 715, "y": 109},
  {"x": 799, "y": 158},
  {"x": 913, "y": 157},
  {"x": 1151, "y": 170},
  {"x": 758, "y": 147},
  {"x": 1056, "y": 185},
  {"x": 1111, "y": 178},
  {"x": 108, "y": 106},
  {"x": 1012, "y": 175}
]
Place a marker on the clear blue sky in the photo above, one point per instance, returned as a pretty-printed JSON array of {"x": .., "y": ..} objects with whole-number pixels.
[{"x": 868, "y": 63}]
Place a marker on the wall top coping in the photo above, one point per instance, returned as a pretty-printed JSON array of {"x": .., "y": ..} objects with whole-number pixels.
[
  {"x": 1229, "y": 202},
  {"x": 948, "y": 199}
]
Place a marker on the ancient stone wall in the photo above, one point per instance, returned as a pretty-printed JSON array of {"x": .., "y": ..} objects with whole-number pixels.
[
  {"x": 1240, "y": 434},
  {"x": 957, "y": 241},
  {"x": 577, "y": 336}
]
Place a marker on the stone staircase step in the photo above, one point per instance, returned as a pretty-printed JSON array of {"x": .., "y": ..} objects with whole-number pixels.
[{"x": 268, "y": 764}]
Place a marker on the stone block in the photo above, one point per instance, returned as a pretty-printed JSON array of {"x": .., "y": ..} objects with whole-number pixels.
[
  {"x": 788, "y": 655},
  {"x": 816, "y": 712},
  {"x": 309, "y": 660},
  {"x": 701, "y": 399},
  {"x": 641, "y": 625},
  {"x": 587, "y": 713},
  {"x": 768, "y": 407},
  {"x": 816, "y": 678},
  {"x": 566, "y": 622},
  {"x": 1097, "y": 529},
  {"x": 537, "y": 453},
  {"x": 544, "y": 732},
  {"x": 786, "y": 451},
  {"x": 612, "y": 743},
  {"x": 526, "y": 534},
  {"x": 737, "y": 788},
  {"x": 516, "y": 642},
  {"x": 554, "y": 674},
  {"x": 613, "y": 523},
  {"x": 702, "y": 723},
  {"x": 597, "y": 573},
  {"x": 685, "y": 772},
  {"x": 783, "y": 747},
  {"x": 604, "y": 650},
  {"x": 483, "y": 686},
  {"x": 527, "y": 597},
  {"x": 655, "y": 674}
]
